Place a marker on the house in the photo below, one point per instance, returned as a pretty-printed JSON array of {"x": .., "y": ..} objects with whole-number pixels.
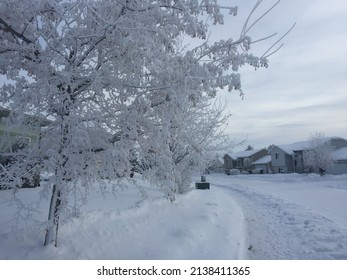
[
  {"x": 340, "y": 162},
  {"x": 289, "y": 158},
  {"x": 14, "y": 139},
  {"x": 27, "y": 133},
  {"x": 243, "y": 160},
  {"x": 262, "y": 165},
  {"x": 216, "y": 166}
]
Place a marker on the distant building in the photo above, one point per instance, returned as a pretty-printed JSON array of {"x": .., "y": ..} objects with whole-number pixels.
[
  {"x": 26, "y": 133},
  {"x": 340, "y": 162},
  {"x": 216, "y": 166},
  {"x": 262, "y": 165},
  {"x": 243, "y": 160},
  {"x": 289, "y": 158},
  {"x": 14, "y": 138}
]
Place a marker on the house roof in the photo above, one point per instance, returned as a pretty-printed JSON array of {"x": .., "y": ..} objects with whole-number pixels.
[
  {"x": 340, "y": 154},
  {"x": 302, "y": 146},
  {"x": 298, "y": 146},
  {"x": 263, "y": 160},
  {"x": 4, "y": 112},
  {"x": 243, "y": 154},
  {"x": 217, "y": 160}
]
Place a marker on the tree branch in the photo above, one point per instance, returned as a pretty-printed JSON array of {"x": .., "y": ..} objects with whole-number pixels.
[{"x": 8, "y": 29}]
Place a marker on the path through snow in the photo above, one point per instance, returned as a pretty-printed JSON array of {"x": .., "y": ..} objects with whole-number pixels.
[{"x": 280, "y": 227}]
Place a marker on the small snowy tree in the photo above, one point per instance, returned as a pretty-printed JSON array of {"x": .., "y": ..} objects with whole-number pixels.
[
  {"x": 318, "y": 156},
  {"x": 181, "y": 142},
  {"x": 104, "y": 73},
  {"x": 249, "y": 148}
]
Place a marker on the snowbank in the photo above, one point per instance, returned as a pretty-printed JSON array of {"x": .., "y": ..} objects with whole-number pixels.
[
  {"x": 202, "y": 224},
  {"x": 279, "y": 216}
]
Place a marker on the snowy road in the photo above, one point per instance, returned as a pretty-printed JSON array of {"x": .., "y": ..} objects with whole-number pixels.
[{"x": 291, "y": 219}]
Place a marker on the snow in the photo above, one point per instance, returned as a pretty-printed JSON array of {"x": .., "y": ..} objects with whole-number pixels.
[
  {"x": 297, "y": 146},
  {"x": 243, "y": 154},
  {"x": 304, "y": 145},
  {"x": 263, "y": 160},
  {"x": 268, "y": 216}
]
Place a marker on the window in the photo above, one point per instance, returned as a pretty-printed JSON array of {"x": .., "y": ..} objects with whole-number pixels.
[
  {"x": 247, "y": 162},
  {"x": 277, "y": 155}
]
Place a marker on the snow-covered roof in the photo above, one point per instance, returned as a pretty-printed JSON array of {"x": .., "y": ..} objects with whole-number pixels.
[
  {"x": 263, "y": 160},
  {"x": 340, "y": 154},
  {"x": 298, "y": 146},
  {"x": 4, "y": 112},
  {"x": 302, "y": 146},
  {"x": 243, "y": 154}
]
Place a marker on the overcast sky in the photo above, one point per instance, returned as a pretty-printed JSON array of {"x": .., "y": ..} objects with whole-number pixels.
[{"x": 304, "y": 90}]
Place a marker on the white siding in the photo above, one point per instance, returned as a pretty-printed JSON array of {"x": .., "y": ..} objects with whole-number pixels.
[{"x": 281, "y": 161}]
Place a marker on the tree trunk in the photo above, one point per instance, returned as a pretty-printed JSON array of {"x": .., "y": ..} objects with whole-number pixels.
[
  {"x": 55, "y": 204},
  {"x": 53, "y": 218}
]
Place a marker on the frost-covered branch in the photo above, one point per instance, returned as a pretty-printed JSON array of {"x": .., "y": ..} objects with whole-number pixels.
[
  {"x": 267, "y": 54},
  {"x": 118, "y": 92},
  {"x": 246, "y": 27}
]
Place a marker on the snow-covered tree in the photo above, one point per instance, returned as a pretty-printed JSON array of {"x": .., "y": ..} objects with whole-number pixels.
[
  {"x": 181, "y": 141},
  {"x": 318, "y": 156},
  {"x": 270, "y": 147},
  {"x": 249, "y": 148},
  {"x": 105, "y": 73}
]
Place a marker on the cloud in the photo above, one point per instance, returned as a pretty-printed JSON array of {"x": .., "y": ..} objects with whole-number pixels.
[{"x": 305, "y": 88}]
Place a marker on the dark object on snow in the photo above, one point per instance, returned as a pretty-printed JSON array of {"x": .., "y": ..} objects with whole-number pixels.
[
  {"x": 321, "y": 171},
  {"x": 30, "y": 178},
  {"x": 203, "y": 185}
]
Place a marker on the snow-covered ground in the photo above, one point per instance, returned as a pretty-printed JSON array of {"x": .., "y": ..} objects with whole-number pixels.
[
  {"x": 283, "y": 216},
  {"x": 292, "y": 216}
]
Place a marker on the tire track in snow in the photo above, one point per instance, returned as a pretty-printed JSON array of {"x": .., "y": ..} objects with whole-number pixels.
[{"x": 284, "y": 230}]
